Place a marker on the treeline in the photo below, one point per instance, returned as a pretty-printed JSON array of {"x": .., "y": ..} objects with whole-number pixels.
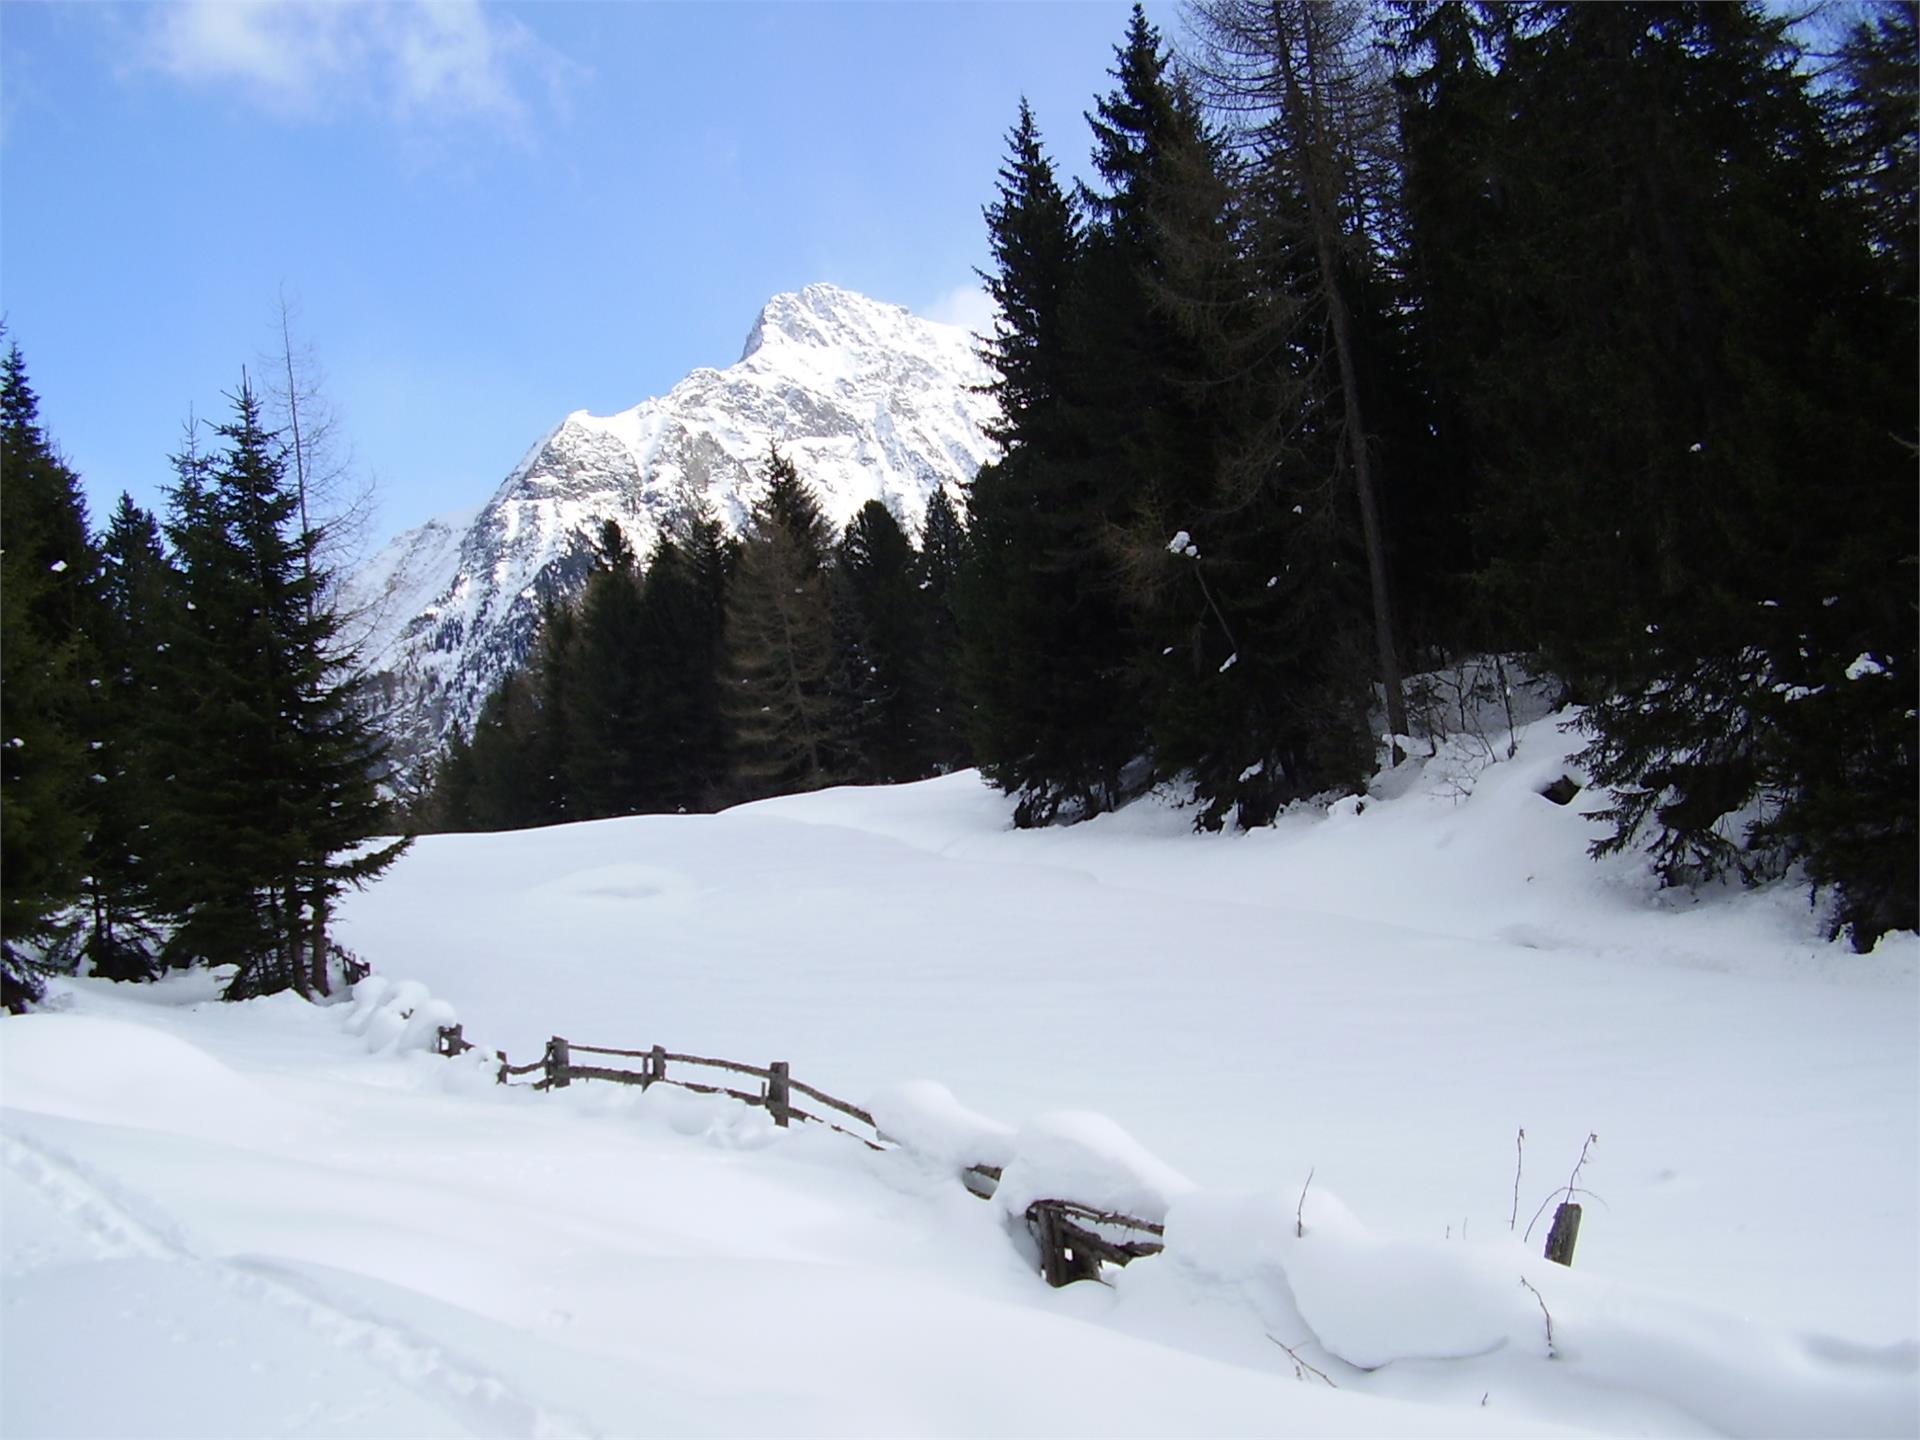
[
  {"x": 724, "y": 670},
  {"x": 187, "y": 774},
  {"x": 1584, "y": 331}
]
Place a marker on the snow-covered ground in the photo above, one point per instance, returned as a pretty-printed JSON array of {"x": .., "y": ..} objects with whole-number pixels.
[{"x": 277, "y": 1219}]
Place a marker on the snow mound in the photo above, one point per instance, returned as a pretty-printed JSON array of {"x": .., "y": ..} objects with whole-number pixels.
[
  {"x": 1306, "y": 1264},
  {"x": 396, "y": 1015},
  {"x": 110, "y": 1072},
  {"x": 1087, "y": 1158},
  {"x": 924, "y": 1116}
]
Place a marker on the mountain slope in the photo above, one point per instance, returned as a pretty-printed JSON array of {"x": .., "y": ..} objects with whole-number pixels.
[{"x": 869, "y": 401}]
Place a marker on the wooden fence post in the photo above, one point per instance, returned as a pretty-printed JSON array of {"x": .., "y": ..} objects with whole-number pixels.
[
  {"x": 1047, "y": 1236},
  {"x": 656, "y": 1065},
  {"x": 451, "y": 1042},
  {"x": 557, "y": 1060},
  {"x": 500, "y": 1075},
  {"x": 1565, "y": 1231},
  {"x": 779, "y": 1098}
]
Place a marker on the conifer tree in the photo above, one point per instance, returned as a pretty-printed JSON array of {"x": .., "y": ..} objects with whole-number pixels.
[
  {"x": 943, "y": 559},
  {"x": 1053, "y": 712},
  {"x": 47, "y": 566},
  {"x": 1301, "y": 81},
  {"x": 137, "y": 593},
  {"x": 1689, "y": 401},
  {"x": 505, "y": 775},
  {"x": 544, "y": 727},
  {"x": 682, "y": 630},
  {"x": 888, "y": 606},
  {"x": 784, "y": 720},
  {"x": 605, "y": 693},
  {"x": 449, "y": 802},
  {"x": 269, "y": 819}
]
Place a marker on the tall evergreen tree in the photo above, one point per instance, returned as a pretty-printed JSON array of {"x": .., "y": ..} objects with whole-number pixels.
[
  {"x": 138, "y": 593},
  {"x": 943, "y": 559},
  {"x": 681, "y": 652},
  {"x": 47, "y": 566},
  {"x": 881, "y": 576},
  {"x": 269, "y": 823},
  {"x": 605, "y": 694},
  {"x": 784, "y": 720},
  {"x": 544, "y": 727},
  {"x": 1053, "y": 711}
]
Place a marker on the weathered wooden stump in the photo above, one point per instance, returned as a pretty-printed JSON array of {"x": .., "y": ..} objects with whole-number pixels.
[{"x": 1563, "y": 1235}]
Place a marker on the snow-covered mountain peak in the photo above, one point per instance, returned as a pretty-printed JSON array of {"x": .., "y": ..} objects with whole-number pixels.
[
  {"x": 826, "y": 317},
  {"x": 803, "y": 327},
  {"x": 869, "y": 401}
]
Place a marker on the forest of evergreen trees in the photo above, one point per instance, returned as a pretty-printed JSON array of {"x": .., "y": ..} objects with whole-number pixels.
[
  {"x": 188, "y": 775},
  {"x": 1382, "y": 337}
]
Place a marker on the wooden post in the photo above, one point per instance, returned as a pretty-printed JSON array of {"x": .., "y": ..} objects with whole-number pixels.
[
  {"x": 500, "y": 1075},
  {"x": 1054, "y": 1236},
  {"x": 451, "y": 1042},
  {"x": 1565, "y": 1231},
  {"x": 657, "y": 1065},
  {"x": 1047, "y": 1235},
  {"x": 557, "y": 1060},
  {"x": 778, "y": 1096}
]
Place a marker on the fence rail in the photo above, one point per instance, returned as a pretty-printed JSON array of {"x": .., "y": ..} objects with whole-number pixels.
[{"x": 1074, "y": 1239}]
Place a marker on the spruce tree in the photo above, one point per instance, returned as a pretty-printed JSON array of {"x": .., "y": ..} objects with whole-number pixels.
[
  {"x": 943, "y": 559},
  {"x": 47, "y": 567},
  {"x": 138, "y": 593},
  {"x": 1046, "y": 660},
  {"x": 786, "y": 725},
  {"x": 605, "y": 696},
  {"x": 271, "y": 765},
  {"x": 888, "y": 608},
  {"x": 544, "y": 728},
  {"x": 682, "y": 630}
]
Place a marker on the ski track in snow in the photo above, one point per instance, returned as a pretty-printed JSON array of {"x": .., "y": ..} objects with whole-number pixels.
[{"x": 120, "y": 1226}]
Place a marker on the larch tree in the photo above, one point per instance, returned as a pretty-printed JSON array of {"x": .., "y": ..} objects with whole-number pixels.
[{"x": 1303, "y": 89}]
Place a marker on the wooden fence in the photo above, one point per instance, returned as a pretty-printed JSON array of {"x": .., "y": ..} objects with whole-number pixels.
[{"x": 1074, "y": 1240}]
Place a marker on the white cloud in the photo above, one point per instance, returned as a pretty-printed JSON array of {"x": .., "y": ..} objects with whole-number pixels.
[
  {"x": 435, "y": 59},
  {"x": 968, "y": 306}
]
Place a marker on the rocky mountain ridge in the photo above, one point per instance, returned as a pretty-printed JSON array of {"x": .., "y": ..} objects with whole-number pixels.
[{"x": 868, "y": 400}]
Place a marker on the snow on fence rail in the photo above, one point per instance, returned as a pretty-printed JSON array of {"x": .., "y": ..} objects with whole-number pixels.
[{"x": 1074, "y": 1240}]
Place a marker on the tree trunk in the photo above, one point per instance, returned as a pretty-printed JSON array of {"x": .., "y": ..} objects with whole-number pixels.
[
  {"x": 318, "y": 955},
  {"x": 1311, "y": 124}
]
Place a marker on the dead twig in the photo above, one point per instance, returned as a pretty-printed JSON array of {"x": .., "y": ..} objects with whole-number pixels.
[
  {"x": 1519, "y": 1162},
  {"x": 1303, "y": 1368},
  {"x": 1299, "y": 1223},
  {"x": 1552, "y": 1354}
]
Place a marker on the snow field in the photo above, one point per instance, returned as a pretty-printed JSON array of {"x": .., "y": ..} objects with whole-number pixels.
[{"x": 294, "y": 1220}]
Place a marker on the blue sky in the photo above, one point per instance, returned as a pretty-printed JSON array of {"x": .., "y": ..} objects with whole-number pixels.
[{"x": 485, "y": 216}]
